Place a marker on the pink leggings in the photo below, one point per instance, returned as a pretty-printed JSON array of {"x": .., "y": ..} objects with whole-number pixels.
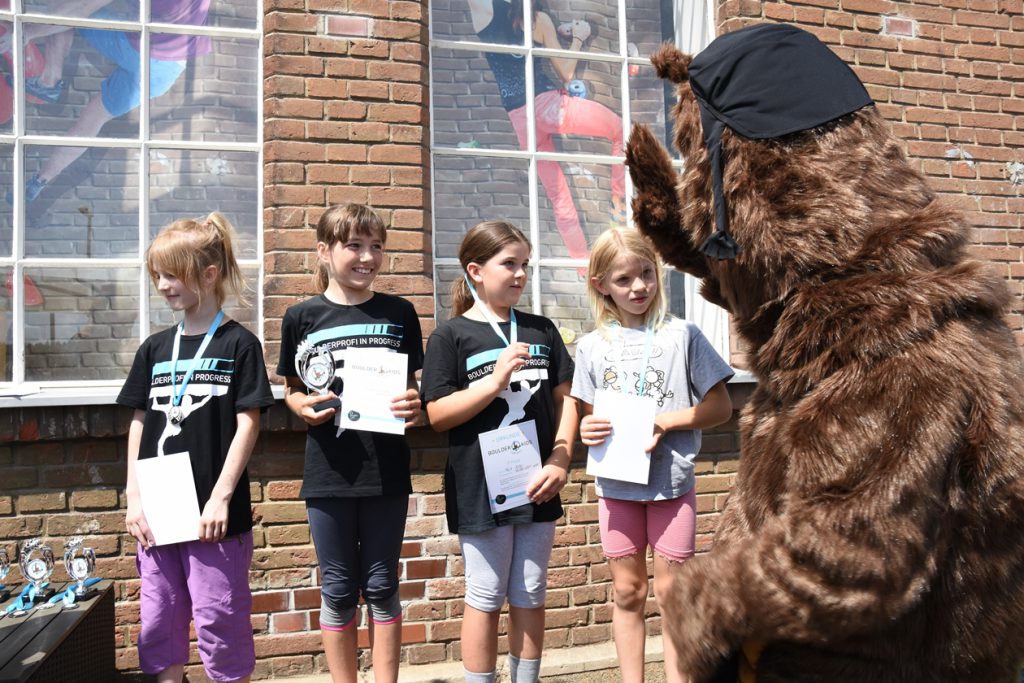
[
  {"x": 560, "y": 114},
  {"x": 669, "y": 526}
]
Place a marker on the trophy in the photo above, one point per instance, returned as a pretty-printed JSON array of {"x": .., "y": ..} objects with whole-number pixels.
[
  {"x": 79, "y": 568},
  {"x": 5, "y": 569},
  {"x": 316, "y": 370},
  {"x": 37, "y": 571}
]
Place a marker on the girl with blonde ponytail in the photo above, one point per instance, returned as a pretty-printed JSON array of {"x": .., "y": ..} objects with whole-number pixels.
[{"x": 197, "y": 389}]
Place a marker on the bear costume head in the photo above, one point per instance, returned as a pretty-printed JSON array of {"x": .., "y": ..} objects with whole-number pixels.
[{"x": 875, "y": 530}]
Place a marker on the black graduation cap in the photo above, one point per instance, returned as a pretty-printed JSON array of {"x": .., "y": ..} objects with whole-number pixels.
[{"x": 765, "y": 81}]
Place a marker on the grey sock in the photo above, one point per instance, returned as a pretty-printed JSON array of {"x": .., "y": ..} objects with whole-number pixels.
[
  {"x": 523, "y": 670},
  {"x": 473, "y": 677}
]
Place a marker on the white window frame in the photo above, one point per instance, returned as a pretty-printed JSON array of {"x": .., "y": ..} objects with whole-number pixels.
[
  {"x": 694, "y": 29},
  {"x": 17, "y": 392}
]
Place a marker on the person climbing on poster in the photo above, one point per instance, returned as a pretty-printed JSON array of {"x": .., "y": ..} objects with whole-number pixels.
[
  {"x": 121, "y": 90},
  {"x": 557, "y": 112}
]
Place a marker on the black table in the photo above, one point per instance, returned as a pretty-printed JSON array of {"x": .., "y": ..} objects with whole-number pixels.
[{"x": 58, "y": 645}]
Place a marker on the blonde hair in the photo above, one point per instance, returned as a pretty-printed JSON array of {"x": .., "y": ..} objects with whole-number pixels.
[
  {"x": 480, "y": 244},
  {"x": 609, "y": 246},
  {"x": 338, "y": 224},
  {"x": 187, "y": 247}
]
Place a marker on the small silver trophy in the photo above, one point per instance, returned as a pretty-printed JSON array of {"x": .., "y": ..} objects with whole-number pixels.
[
  {"x": 79, "y": 567},
  {"x": 37, "y": 571},
  {"x": 316, "y": 370},
  {"x": 5, "y": 569}
]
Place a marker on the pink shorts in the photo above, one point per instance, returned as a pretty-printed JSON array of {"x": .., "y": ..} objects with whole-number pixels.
[
  {"x": 207, "y": 582},
  {"x": 668, "y": 526}
]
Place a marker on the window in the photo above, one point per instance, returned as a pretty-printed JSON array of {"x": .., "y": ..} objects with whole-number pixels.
[
  {"x": 507, "y": 144},
  {"x": 99, "y": 150}
]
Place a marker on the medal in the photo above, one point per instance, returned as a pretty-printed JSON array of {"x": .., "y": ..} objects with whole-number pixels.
[{"x": 176, "y": 414}]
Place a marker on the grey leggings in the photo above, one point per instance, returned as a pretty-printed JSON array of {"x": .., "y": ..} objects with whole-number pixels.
[{"x": 507, "y": 561}]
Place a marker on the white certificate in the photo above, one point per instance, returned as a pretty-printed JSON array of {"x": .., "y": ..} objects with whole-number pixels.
[
  {"x": 168, "y": 494},
  {"x": 622, "y": 454},
  {"x": 511, "y": 460},
  {"x": 373, "y": 379}
]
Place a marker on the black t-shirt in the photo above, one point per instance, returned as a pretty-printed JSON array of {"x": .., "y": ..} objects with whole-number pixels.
[
  {"x": 463, "y": 351},
  {"x": 230, "y": 378},
  {"x": 353, "y": 463}
]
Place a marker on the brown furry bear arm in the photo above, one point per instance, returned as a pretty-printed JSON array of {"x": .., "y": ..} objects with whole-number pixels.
[
  {"x": 656, "y": 209},
  {"x": 843, "y": 496}
]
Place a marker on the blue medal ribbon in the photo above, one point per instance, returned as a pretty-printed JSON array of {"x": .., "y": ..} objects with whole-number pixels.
[
  {"x": 492, "y": 318},
  {"x": 176, "y": 394}
]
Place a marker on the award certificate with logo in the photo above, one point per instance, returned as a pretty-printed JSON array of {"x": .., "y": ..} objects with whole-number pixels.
[
  {"x": 511, "y": 460},
  {"x": 373, "y": 379},
  {"x": 622, "y": 454}
]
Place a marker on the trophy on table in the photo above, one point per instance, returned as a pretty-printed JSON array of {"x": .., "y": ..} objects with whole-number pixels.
[
  {"x": 79, "y": 568},
  {"x": 5, "y": 569},
  {"x": 37, "y": 571},
  {"x": 316, "y": 370}
]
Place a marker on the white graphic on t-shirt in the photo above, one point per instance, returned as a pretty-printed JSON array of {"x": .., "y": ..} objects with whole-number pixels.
[
  {"x": 517, "y": 395},
  {"x": 654, "y": 385},
  {"x": 188, "y": 406}
]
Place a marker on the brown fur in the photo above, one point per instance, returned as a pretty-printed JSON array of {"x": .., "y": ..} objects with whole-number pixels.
[{"x": 875, "y": 531}]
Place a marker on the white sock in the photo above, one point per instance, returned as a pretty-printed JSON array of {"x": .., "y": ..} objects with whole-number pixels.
[
  {"x": 473, "y": 677},
  {"x": 523, "y": 670}
]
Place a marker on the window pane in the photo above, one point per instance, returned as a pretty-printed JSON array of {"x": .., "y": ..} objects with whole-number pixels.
[
  {"x": 590, "y": 123},
  {"x": 161, "y": 316},
  {"x": 211, "y": 94},
  {"x": 466, "y": 103},
  {"x": 98, "y": 90},
  {"x": 452, "y": 20},
  {"x": 576, "y": 205},
  {"x": 226, "y": 13},
  {"x": 7, "y": 88},
  {"x": 6, "y": 187},
  {"x": 122, "y": 11},
  {"x": 92, "y": 210},
  {"x": 601, "y": 16},
  {"x": 89, "y": 211},
  {"x": 650, "y": 99},
  {"x": 445, "y": 274},
  {"x": 6, "y": 321},
  {"x": 190, "y": 184},
  {"x": 85, "y": 326},
  {"x": 563, "y": 299},
  {"x": 650, "y": 23},
  {"x": 468, "y": 190}
]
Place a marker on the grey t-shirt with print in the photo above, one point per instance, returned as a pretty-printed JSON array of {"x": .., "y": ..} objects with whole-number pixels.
[{"x": 682, "y": 367}]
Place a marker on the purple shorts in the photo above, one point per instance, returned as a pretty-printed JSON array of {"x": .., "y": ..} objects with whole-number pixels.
[
  {"x": 668, "y": 526},
  {"x": 208, "y": 582}
]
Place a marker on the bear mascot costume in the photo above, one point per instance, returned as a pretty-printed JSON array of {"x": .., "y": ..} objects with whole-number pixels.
[{"x": 875, "y": 531}]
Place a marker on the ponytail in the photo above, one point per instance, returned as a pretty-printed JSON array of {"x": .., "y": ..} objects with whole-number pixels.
[{"x": 462, "y": 300}]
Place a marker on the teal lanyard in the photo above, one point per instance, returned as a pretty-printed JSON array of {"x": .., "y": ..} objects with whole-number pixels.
[
  {"x": 195, "y": 360},
  {"x": 493, "y": 319},
  {"x": 624, "y": 376}
]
